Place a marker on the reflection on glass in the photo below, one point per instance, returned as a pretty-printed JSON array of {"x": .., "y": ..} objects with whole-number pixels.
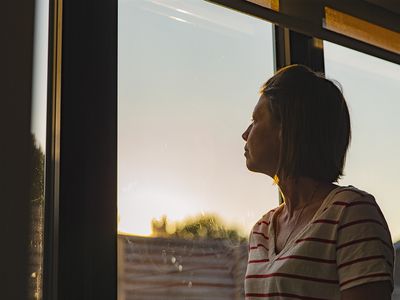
[
  {"x": 38, "y": 146},
  {"x": 189, "y": 74}
]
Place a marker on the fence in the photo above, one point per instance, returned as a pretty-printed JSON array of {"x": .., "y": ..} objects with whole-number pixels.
[{"x": 174, "y": 268}]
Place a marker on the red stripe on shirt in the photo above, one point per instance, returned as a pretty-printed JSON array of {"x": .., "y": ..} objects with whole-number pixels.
[
  {"x": 360, "y": 260},
  {"x": 361, "y": 221},
  {"x": 326, "y": 221},
  {"x": 365, "y": 276},
  {"x": 311, "y": 239},
  {"x": 328, "y": 261},
  {"x": 257, "y": 295},
  {"x": 260, "y": 233},
  {"x": 360, "y": 203},
  {"x": 363, "y": 240},
  {"x": 257, "y": 246},
  {"x": 256, "y": 261},
  {"x": 354, "y": 203},
  {"x": 255, "y": 276}
]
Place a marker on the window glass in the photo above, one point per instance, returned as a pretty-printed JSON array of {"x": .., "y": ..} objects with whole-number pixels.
[
  {"x": 38, "y": 147},
  {"x": 371, "y": 88},
  {"x": 188, "y": 79}
]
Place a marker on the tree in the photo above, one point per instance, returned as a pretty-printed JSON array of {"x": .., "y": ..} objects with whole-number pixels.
[
  {"x": 205, "y": 226},
  {"x": 38, "y": 159},
  {"x": 36, "y": 219}
]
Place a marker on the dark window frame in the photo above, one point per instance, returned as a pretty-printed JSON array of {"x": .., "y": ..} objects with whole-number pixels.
[
  {"x": 305, "y": 17},
  {"x": 81, "y": 165}
]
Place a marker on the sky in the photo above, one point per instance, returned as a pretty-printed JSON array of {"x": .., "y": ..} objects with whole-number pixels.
[
  {"x": 39, "y": 84},
  {"x": 188, "y": 79},
  {"x": 189, "y": 75}
]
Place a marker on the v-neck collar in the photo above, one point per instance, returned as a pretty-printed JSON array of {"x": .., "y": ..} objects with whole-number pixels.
[{"x": 271, "y": 228}]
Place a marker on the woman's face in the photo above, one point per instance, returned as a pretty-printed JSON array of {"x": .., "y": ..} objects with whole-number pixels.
[{"x": 262, "y": 140}]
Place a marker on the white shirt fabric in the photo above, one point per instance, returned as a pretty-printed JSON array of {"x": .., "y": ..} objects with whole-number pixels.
[{"x": 347, "y": 243}]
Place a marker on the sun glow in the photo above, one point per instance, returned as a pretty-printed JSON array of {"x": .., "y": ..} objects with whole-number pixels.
[{"x": 137, "y": 207}]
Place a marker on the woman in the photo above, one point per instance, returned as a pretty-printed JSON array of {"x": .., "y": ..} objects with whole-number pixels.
[{"x": 324, "y": 241}]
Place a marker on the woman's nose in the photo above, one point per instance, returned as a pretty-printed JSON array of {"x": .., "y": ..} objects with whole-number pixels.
[{"x": 246, "y": 134}]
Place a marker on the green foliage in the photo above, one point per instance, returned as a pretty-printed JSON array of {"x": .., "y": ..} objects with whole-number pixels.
[{"x": 207, "y": 226}]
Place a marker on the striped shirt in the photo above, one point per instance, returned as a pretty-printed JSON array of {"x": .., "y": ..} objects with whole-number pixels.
[{"x": 347, "y": 243}]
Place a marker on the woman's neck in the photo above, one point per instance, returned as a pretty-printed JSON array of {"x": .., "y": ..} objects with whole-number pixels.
[{"x": 301, "y": 193}]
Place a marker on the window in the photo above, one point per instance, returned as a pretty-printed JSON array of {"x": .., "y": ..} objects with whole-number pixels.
[
  {"x": 371, "y": 89},
  {"x": 189, "y": 74},
  {"x": 38, "y": 147}
]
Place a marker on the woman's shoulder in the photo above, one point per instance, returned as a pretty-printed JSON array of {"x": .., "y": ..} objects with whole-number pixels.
[
  {"x": 346, "y": 195},
  {"x": 349, "y": 202},
  {"x": 364, "y": 250}
]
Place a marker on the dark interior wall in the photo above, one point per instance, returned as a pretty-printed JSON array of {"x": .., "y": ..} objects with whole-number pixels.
[{"x": 16, "y": 29}]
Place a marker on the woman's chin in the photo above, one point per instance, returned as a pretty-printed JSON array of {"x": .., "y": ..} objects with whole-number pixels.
[{"x": 251, "y": 166}]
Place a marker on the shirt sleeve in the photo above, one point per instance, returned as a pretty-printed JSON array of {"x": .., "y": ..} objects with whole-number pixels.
[{"x": 364, "y": 249}]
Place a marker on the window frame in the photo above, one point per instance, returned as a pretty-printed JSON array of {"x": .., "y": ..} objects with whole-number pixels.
[
  {"x": 305, "y": 17},
  {"x": 81, "y": 168}
]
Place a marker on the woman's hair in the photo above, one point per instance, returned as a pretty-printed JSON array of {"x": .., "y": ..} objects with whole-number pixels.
[{"x": 314, "y": 121}]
